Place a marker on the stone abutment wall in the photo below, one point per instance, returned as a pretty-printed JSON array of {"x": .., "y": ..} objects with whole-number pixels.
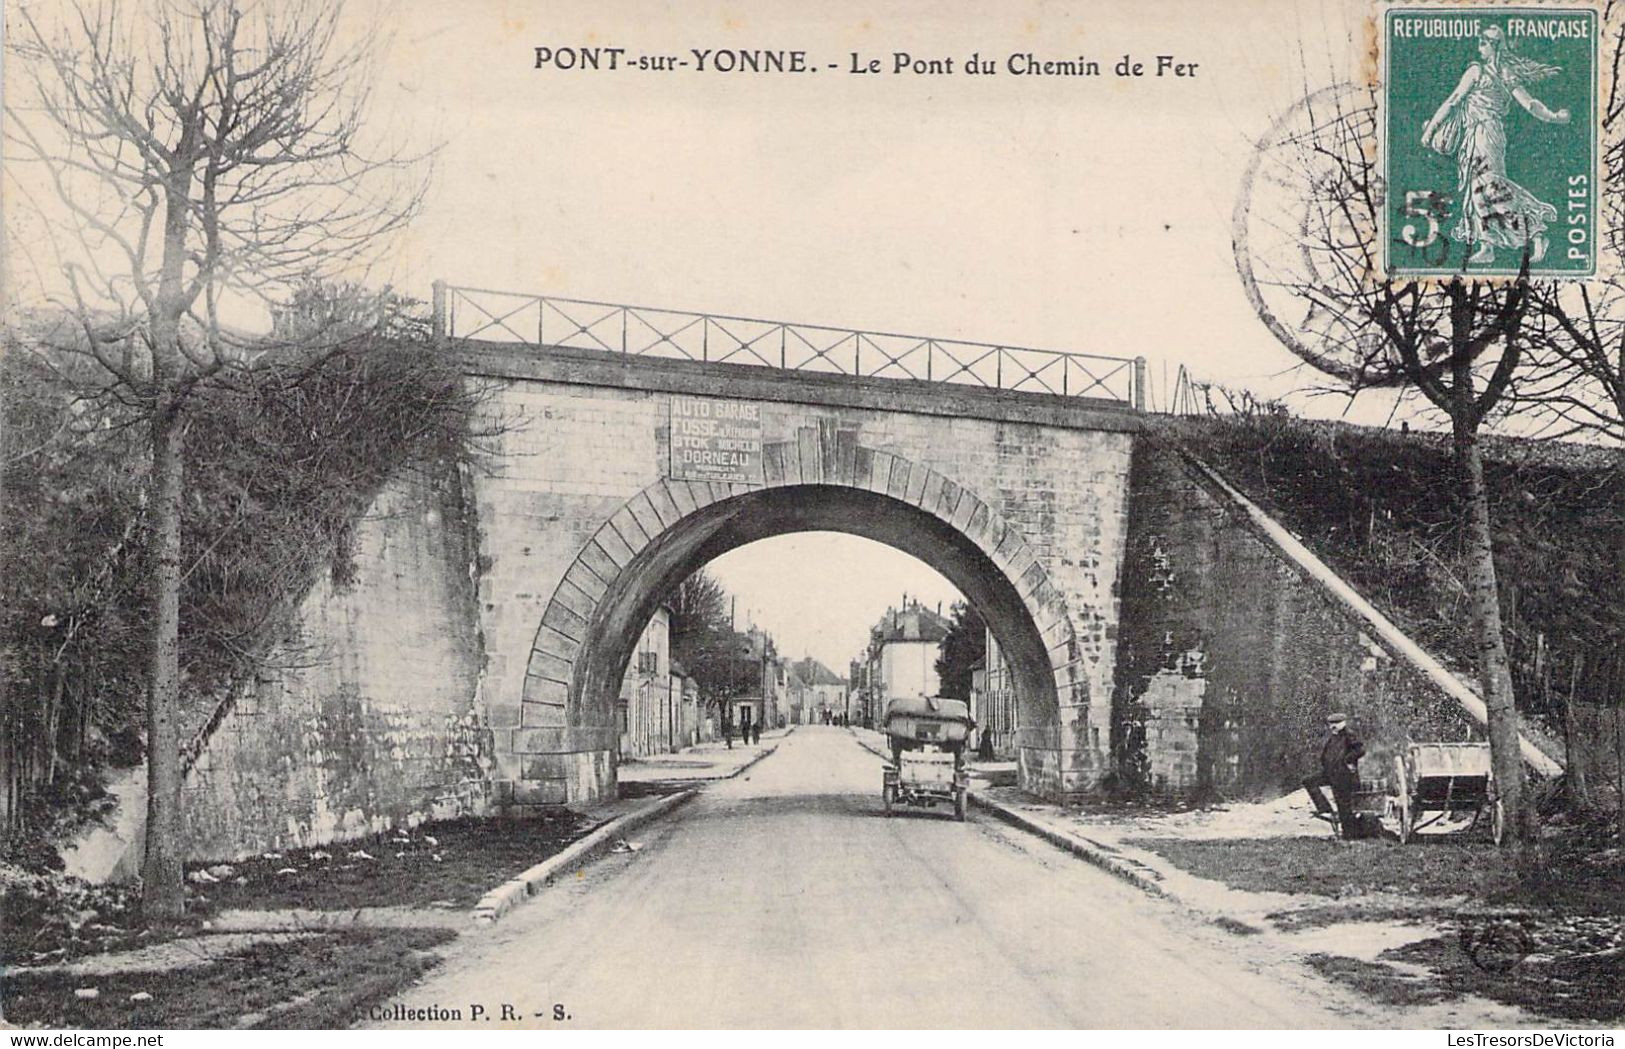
[
  {"x": 368, "y": 716},
  {"x": 1231, "y": 657}
]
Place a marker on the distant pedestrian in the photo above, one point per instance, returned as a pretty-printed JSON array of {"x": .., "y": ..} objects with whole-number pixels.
[
  {"x": 756, "y": 732},
  {"x": 1339, "y": 770}
]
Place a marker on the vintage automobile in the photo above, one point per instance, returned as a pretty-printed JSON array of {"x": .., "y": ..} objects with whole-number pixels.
[{"x": 928, "y": 736}]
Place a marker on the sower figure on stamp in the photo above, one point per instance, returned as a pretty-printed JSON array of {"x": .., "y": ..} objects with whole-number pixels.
[
  {"x": 1493, "y": 211},
  {"x": 1339, "y": 770}
]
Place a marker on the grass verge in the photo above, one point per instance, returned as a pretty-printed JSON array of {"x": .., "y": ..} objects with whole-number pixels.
[
  {"x": 322, "y": 982},
  {"x": 649, "y": 789},
  {"x": 1568, "y": 901},
  {"x": 1337, "y": 869},
  {"x": 449, "y": 864},
  {"x": 1564, "y": 877},
  {"x": 1377, "y": 982},
  {"x": 49, "y": 918},
  {"x": 1570, "y": 984},
  {"x": 1359, "y": 910}
]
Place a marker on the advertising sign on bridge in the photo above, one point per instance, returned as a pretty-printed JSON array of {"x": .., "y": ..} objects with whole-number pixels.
[{"x": 716, "y": 440}]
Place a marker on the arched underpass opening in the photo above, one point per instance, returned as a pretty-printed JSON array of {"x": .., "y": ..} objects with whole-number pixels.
[
  {"x": 961, "y": 538},
  {"x": 834, "y": 598},
  {"x": 724, "y": 526}
]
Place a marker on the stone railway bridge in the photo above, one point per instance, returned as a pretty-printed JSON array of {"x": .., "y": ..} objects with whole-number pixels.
[
  {"x": 472, "y": 664},
  {"x": 1021, "y": 503}
]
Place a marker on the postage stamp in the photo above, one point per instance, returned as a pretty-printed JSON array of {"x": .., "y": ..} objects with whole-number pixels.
[{"x": 1490, "y": 140}]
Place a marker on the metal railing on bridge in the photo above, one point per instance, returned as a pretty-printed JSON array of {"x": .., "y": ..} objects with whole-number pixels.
[{"x": 549, "y": 320}]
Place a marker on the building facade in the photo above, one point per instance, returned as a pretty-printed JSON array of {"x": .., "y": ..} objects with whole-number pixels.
[
  {"x": 646, "y": 715},
  {"x": 765, "y": 702},
  {"x": 818, "y": 693},
  {"x": 686, "y": 697},
  {"x": 901, "y": 658},
  {"x": 993, "y": 701}
]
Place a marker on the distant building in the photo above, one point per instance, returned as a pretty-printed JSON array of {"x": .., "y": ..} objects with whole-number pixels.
[
  {"x": 818, "y": 691},
  {"x": 993, "y": 700},
  {"x": 901, "y": 658},
  {"x": 857, "y": 691},
  {"x": 767, "y": 702},
  {"x": 686, "y": 697},
  {"x": 645, "y": 713},
  {"x": 798, "y": 696}
]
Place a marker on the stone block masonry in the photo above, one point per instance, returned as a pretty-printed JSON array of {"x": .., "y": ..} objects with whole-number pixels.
[
  {"x": 1230, "y": 656},
  {"x": 370, "y": 714},
  {"x": 581, "y": 505}
]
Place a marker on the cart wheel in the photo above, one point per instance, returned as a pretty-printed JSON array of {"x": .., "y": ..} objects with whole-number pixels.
[
  {"x": 888, "y": 794},
  {"x": 959, "y": 804},
  {"x": 1404, "y": 801},
  {"x": 1498, "y": 822}
]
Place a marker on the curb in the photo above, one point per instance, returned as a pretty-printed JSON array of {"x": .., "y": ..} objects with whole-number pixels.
[
  {"x": 298, "y": 919},
  {"x": 765, "y": 753},
  {"x": 1136, "y": 874},
  {"x": 860, "y": 741},
  {"x": 718, "y": 779},
  {"x": 505, "y": 897}
]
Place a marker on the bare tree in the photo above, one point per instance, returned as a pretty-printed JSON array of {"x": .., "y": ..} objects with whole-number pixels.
[
  {"x": 1574, "y": 383},
  {"x": 1575, "y": 380},
  {"x": 703, "y": 638},
  {"x": 197, "y": 155},
  {"x": 1307, "y": 248}
]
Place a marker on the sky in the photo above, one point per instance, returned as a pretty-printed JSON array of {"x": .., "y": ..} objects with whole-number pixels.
[
  {"x": 1085, "y": 213},
  {"x": 804, "y": 590},
  {"x": 1075, "y": 213}
]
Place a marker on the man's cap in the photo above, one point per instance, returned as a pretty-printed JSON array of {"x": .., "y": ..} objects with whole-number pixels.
[{"x": 1332, "y": 719}]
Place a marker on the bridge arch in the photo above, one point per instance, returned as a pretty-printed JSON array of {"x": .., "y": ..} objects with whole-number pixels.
[{"x": 592, "y": 622}]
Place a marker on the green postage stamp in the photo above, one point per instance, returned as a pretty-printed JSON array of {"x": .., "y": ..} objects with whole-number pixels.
[{"x": 1490, "y": 128}]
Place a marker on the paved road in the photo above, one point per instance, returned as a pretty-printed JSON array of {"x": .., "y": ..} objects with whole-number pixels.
[{"x": 784, "y": 898}]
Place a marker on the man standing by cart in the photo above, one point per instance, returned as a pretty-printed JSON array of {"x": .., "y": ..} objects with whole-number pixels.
[{"x": 1339, "y": 770}]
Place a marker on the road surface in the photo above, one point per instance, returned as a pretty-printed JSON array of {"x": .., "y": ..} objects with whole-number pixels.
[{"x": 784, "y": 898}]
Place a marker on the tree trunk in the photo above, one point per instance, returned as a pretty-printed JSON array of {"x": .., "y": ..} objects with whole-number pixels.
[
  {"x": 162, "y": 896},
  {"x": 1494, "y": 669},
  {"x": 1579, "y": 789},
  {"x": 1611, "y": 682},
  {"x": 1619, "y": 768},
  {"x": 8, "y": 772},
  {"x": 53, "y": 723}
]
